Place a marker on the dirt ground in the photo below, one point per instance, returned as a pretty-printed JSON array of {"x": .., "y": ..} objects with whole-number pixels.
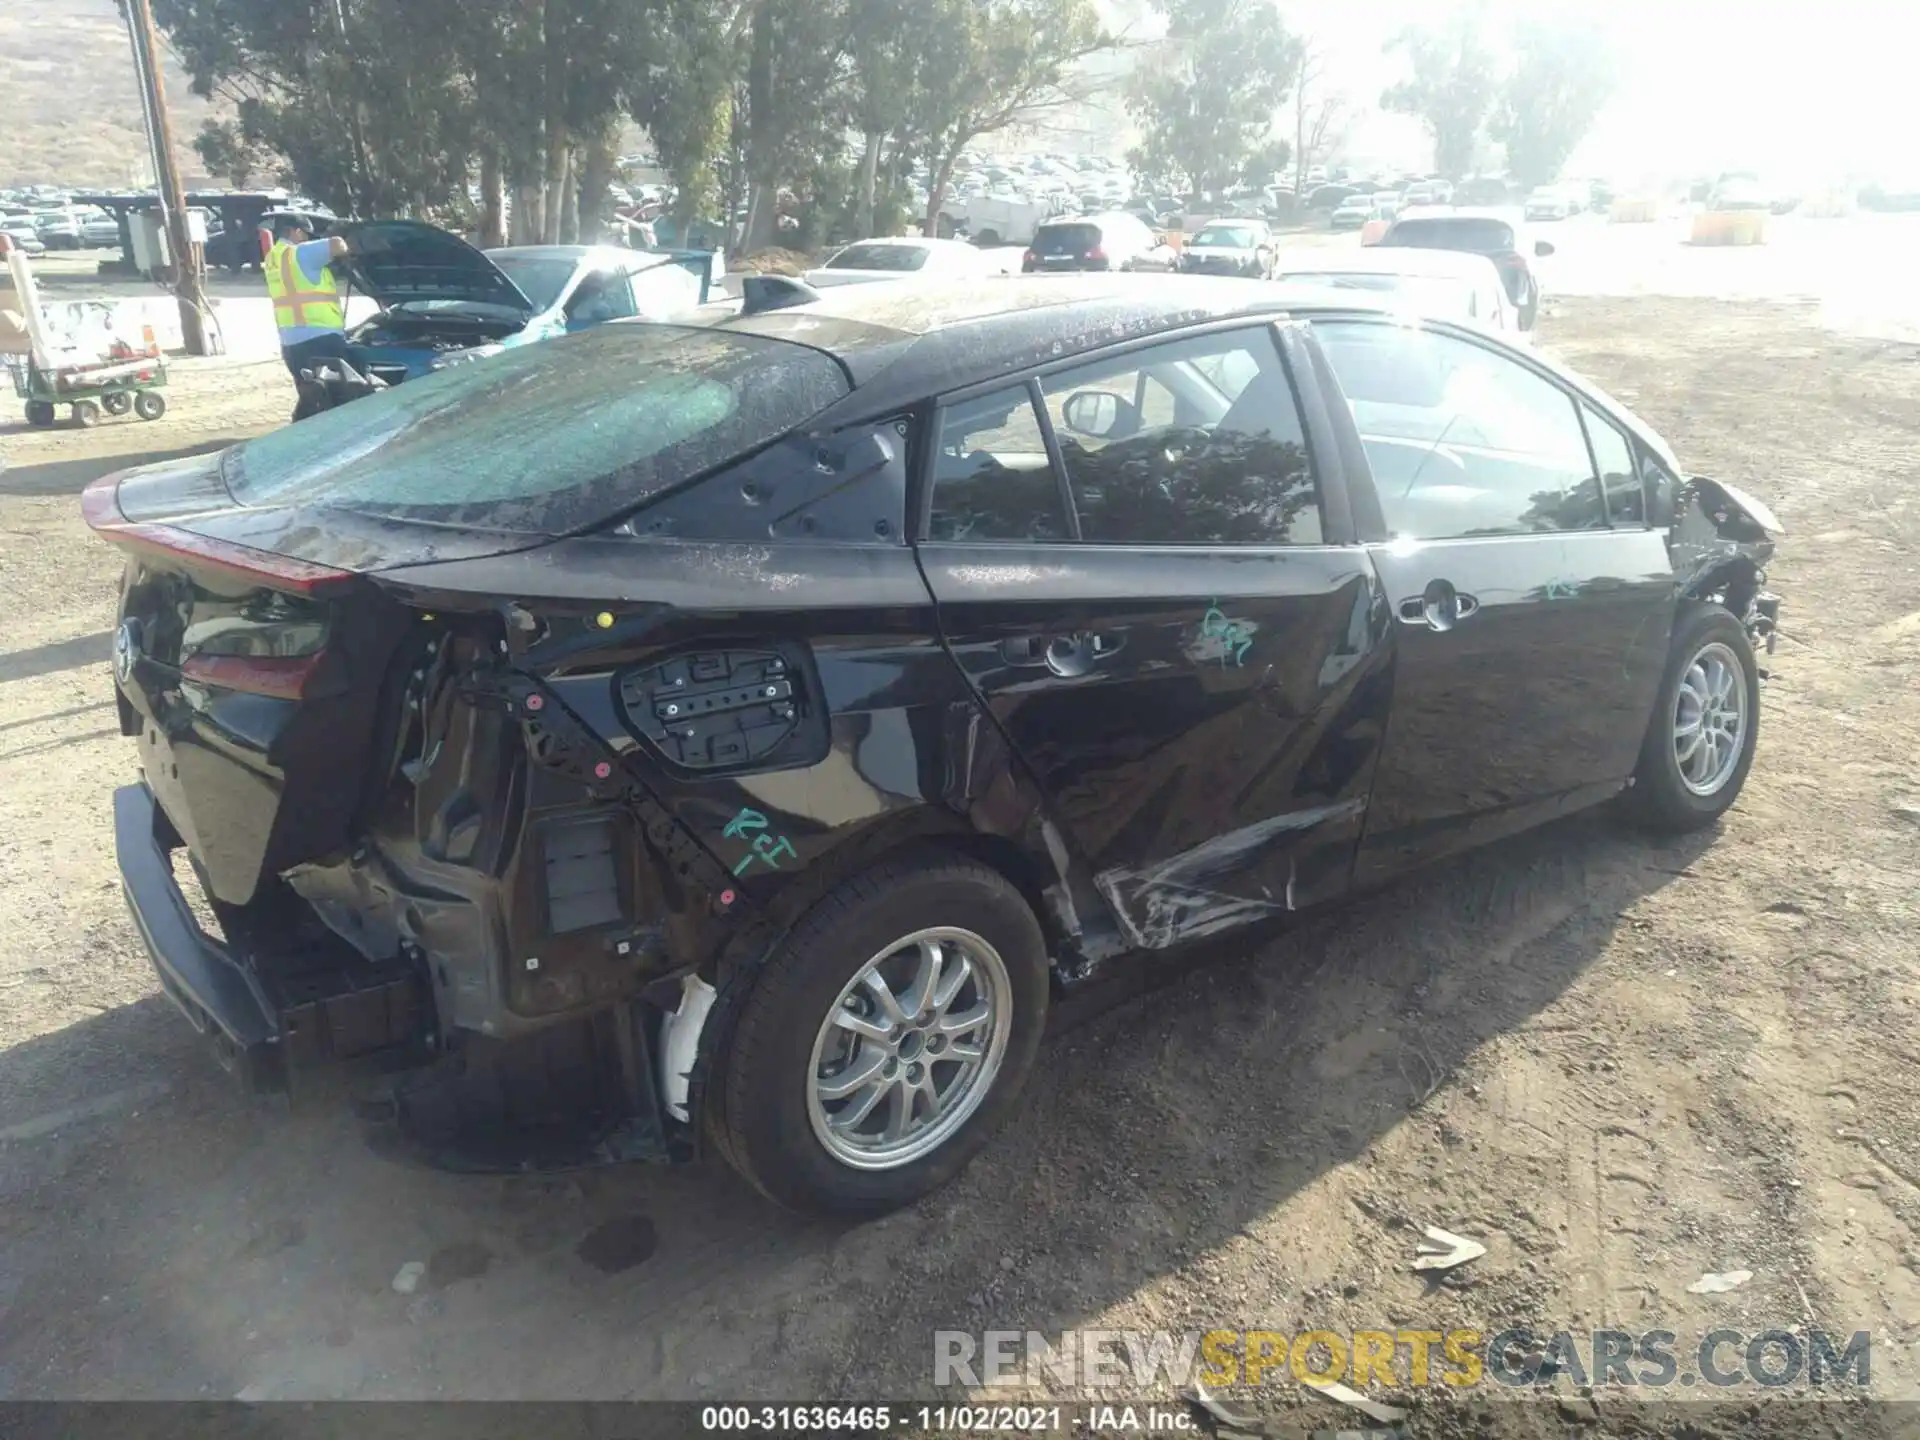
[{"x": 1619, "y": 1064}]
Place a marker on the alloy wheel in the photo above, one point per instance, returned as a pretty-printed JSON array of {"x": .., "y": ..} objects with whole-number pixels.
[
  {"x": 1710, "y": 719},
  {"x": 909, "y": 1049}
]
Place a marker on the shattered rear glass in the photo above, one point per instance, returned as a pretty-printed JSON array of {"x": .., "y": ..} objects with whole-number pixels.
[{"x": 545, "y": 439}]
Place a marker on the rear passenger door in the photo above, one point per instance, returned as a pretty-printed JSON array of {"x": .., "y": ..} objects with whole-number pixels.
[
  {"x": 1133, "y": 563},
  {"x": 1532, "y": 605}
]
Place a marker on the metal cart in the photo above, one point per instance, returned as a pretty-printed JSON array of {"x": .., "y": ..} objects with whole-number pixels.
[{"x": 113, "y": 387}]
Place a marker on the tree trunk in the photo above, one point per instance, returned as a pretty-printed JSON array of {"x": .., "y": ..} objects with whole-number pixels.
[
  {"x": 1300, "y": 137},
  {"x": 528, "y": 222},
  {"x": 570, "y": 200},
  {"x": 763, "y": 182},
  {"x": 596, "y": 173},
  {"x": 869, "y": 176},
  {"x": 937, "y": 193},
  {"x": 492, "y": 197},
  {"x": 554, "y": 17}
]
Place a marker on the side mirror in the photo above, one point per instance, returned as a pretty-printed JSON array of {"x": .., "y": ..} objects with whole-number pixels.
[
  {"x": 1543, "y": 247},
  {"x": 1093, "y": 413}
]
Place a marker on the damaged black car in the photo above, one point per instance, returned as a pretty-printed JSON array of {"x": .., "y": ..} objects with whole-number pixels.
[{"x": 734, "y": 737}]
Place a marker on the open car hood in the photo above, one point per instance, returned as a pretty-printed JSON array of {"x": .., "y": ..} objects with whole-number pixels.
[{"x": 399, "y": 261}]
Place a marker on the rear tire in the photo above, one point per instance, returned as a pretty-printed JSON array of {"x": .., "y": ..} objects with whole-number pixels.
[
  {"x": 770, "y": 1110},
  {"x": 1691, "y": 768},
  {"x": 149, "y": 404},
  {"x": 39, "y": 414},
  {"x": 86, "y": 414},
  {"x": 116, "y": 402}
]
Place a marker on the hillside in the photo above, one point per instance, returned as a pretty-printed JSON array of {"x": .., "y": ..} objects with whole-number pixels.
[{"x": 72, "y": 107}]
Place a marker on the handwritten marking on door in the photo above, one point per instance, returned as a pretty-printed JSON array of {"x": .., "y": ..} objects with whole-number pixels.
[
  {"x": 767, "y": 846},
  {"x": 1235, "y": 641},
  {"x": 1563, "y": 590}
]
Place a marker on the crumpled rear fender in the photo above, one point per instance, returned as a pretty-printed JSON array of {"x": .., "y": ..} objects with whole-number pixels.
[{"x": 1720, "y": 541}]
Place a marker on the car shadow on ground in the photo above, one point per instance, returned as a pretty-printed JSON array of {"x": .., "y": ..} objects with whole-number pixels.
[
  {"x": 1153, "y": 1135},
  {"x": 70, "y": 477}
]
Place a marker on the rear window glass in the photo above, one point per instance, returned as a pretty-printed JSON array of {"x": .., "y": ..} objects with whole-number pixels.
[
  {"x": 1227, "y": 237},
  {"x": 1479, "y": 236},
  {"x": 1066, "y": 239},
  {"x": 544, "y": 439},
  {"x": 879, "y": 257}
]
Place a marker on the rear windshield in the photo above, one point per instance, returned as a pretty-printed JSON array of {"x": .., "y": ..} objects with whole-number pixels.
[
  {"x": 1453, "y": 233},
  {"x": 1066, "y": 239},
  {"x": 544, "y": 439}
]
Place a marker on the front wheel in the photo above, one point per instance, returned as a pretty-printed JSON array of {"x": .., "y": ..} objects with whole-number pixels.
[
  {"x": 1700, "y": 743},
  {"x": 885, "y": 1041}
]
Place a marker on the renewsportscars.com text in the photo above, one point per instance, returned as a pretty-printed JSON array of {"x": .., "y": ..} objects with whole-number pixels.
[{"x": 1515, "y": 1358}]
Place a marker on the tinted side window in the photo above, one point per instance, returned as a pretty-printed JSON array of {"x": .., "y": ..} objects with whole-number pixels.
[
  {"x": 600, "y": 298},
  {"x": 1462, "y": 440},
  {"x": 991, "y": 479},
  {"x": 1611, "y": 452},
  {"x": 1195, "y": 442}
]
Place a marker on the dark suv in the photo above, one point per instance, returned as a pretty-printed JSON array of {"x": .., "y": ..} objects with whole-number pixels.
[{"x": 1494, "y": 236}]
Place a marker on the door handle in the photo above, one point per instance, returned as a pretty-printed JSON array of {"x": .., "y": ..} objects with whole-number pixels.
[
  {"x": 1440, "y": 607},
  {"x": 1065, "y": 655}
]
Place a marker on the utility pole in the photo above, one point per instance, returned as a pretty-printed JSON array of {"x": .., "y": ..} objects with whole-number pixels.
[{"x": 189, "y": 275}]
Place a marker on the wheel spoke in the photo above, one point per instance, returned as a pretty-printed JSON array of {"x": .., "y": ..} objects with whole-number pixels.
[
  {"x": 899, "y": 1110},
  {"x": 838, "y": 1087},
  {"x": 964, "y": 1053},
  {"x": 860, "y": 1025},
  {"x": 971, "y": 1018},
  {"x": 951, "y": 984},
  {"x": 926, "y": 980},
  {"x": 851, "y": 1117},
  {"x": 882, "y": 993}
]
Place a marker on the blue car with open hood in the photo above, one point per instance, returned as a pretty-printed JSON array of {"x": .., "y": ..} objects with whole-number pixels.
[{"x": 443, "y": 301}]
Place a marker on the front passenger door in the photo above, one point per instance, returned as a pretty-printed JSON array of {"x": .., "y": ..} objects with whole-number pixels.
[{"x": 1530, "y": 619}]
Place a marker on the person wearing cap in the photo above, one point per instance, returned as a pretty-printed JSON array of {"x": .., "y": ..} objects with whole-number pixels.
[{"x": 307, "y": 305}]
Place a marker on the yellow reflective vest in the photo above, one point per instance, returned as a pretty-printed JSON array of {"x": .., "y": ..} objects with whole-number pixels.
[{"x": 300, "y": 304}]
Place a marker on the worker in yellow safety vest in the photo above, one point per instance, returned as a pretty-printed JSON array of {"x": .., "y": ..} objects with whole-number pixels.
[{"x": 307, "y": 304}]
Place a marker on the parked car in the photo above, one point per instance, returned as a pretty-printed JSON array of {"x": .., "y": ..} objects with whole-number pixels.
[
  {"x": 738, "y": 736},
  {"x": 1446, "y": 283},
  {"x": 1113, "y": 241},
  {"x": 1329, "y": 197},
  {"x": 1479, "y": 233},
  {"x": 443, "y": 302},
  {"x": 100, "y": 231},
  {"x": 23, "y": 235},
  {"x": 1229, "y": 247},
  {"x": 902, "y": 258},
  {"x": 58, "y": 229},
  {"x": 1351, "y": 214},
  {"x": 1549, "y": 202}
]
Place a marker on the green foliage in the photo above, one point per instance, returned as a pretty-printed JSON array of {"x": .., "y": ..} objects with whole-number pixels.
[
  {"x": 1206, "y": 105},
  {"x": 1450, "y": 88},
  {"x": 227, "y": 152},
  {"x": 994, "y": 65},
  {"x": 1562, "y": 77},
  {"x": 1265, "y": 162}
]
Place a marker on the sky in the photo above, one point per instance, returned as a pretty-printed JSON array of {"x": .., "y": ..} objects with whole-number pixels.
[
  {"x": 1799, "y": 90},
  {"x": 1803, "y": 91}
]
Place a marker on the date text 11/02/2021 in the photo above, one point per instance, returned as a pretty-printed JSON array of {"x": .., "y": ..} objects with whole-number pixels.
[{"x": 984, "y": 1419}]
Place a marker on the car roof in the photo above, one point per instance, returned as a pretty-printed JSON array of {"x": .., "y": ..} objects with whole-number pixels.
[{"x": 903, "y": 343}]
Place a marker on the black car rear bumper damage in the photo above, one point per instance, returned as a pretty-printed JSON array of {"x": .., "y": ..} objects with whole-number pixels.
[{"x": 210, "y": 988}]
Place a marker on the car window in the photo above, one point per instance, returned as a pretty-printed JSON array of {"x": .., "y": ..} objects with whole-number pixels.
[
  {"x": 599, "y": 298},
  {"x": 1462, "y": 440},
  {"x": 1452, "y": 233},
  {"x": 991, "y": 479},
  {"x": 879, "y": 257},
  {"x": 1612, "y": 452},
  {"x": 1228, "y": 467},
  {"x": 660, "y": 291}
]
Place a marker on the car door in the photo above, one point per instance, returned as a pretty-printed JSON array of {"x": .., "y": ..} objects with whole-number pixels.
[
  {"x": 1150, "y": 578},
  {"x": 1531, "y": 622}
]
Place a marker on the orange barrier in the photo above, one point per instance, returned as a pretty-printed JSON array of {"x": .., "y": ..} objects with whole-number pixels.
[
  {"x": 1730, "y": 227},
  {"x": 1635, "y": 211},
  {"x": 1371, "y": 232}
]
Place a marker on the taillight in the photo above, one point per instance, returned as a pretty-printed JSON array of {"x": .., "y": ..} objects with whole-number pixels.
[
  {"x": 1032, "y": 257},
  {"x": 100, "y": 508},
  {"x": 1097, "y": 255},
  {"x": 1510, "y": 260},
  {"x": 283, "y": 678}
]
